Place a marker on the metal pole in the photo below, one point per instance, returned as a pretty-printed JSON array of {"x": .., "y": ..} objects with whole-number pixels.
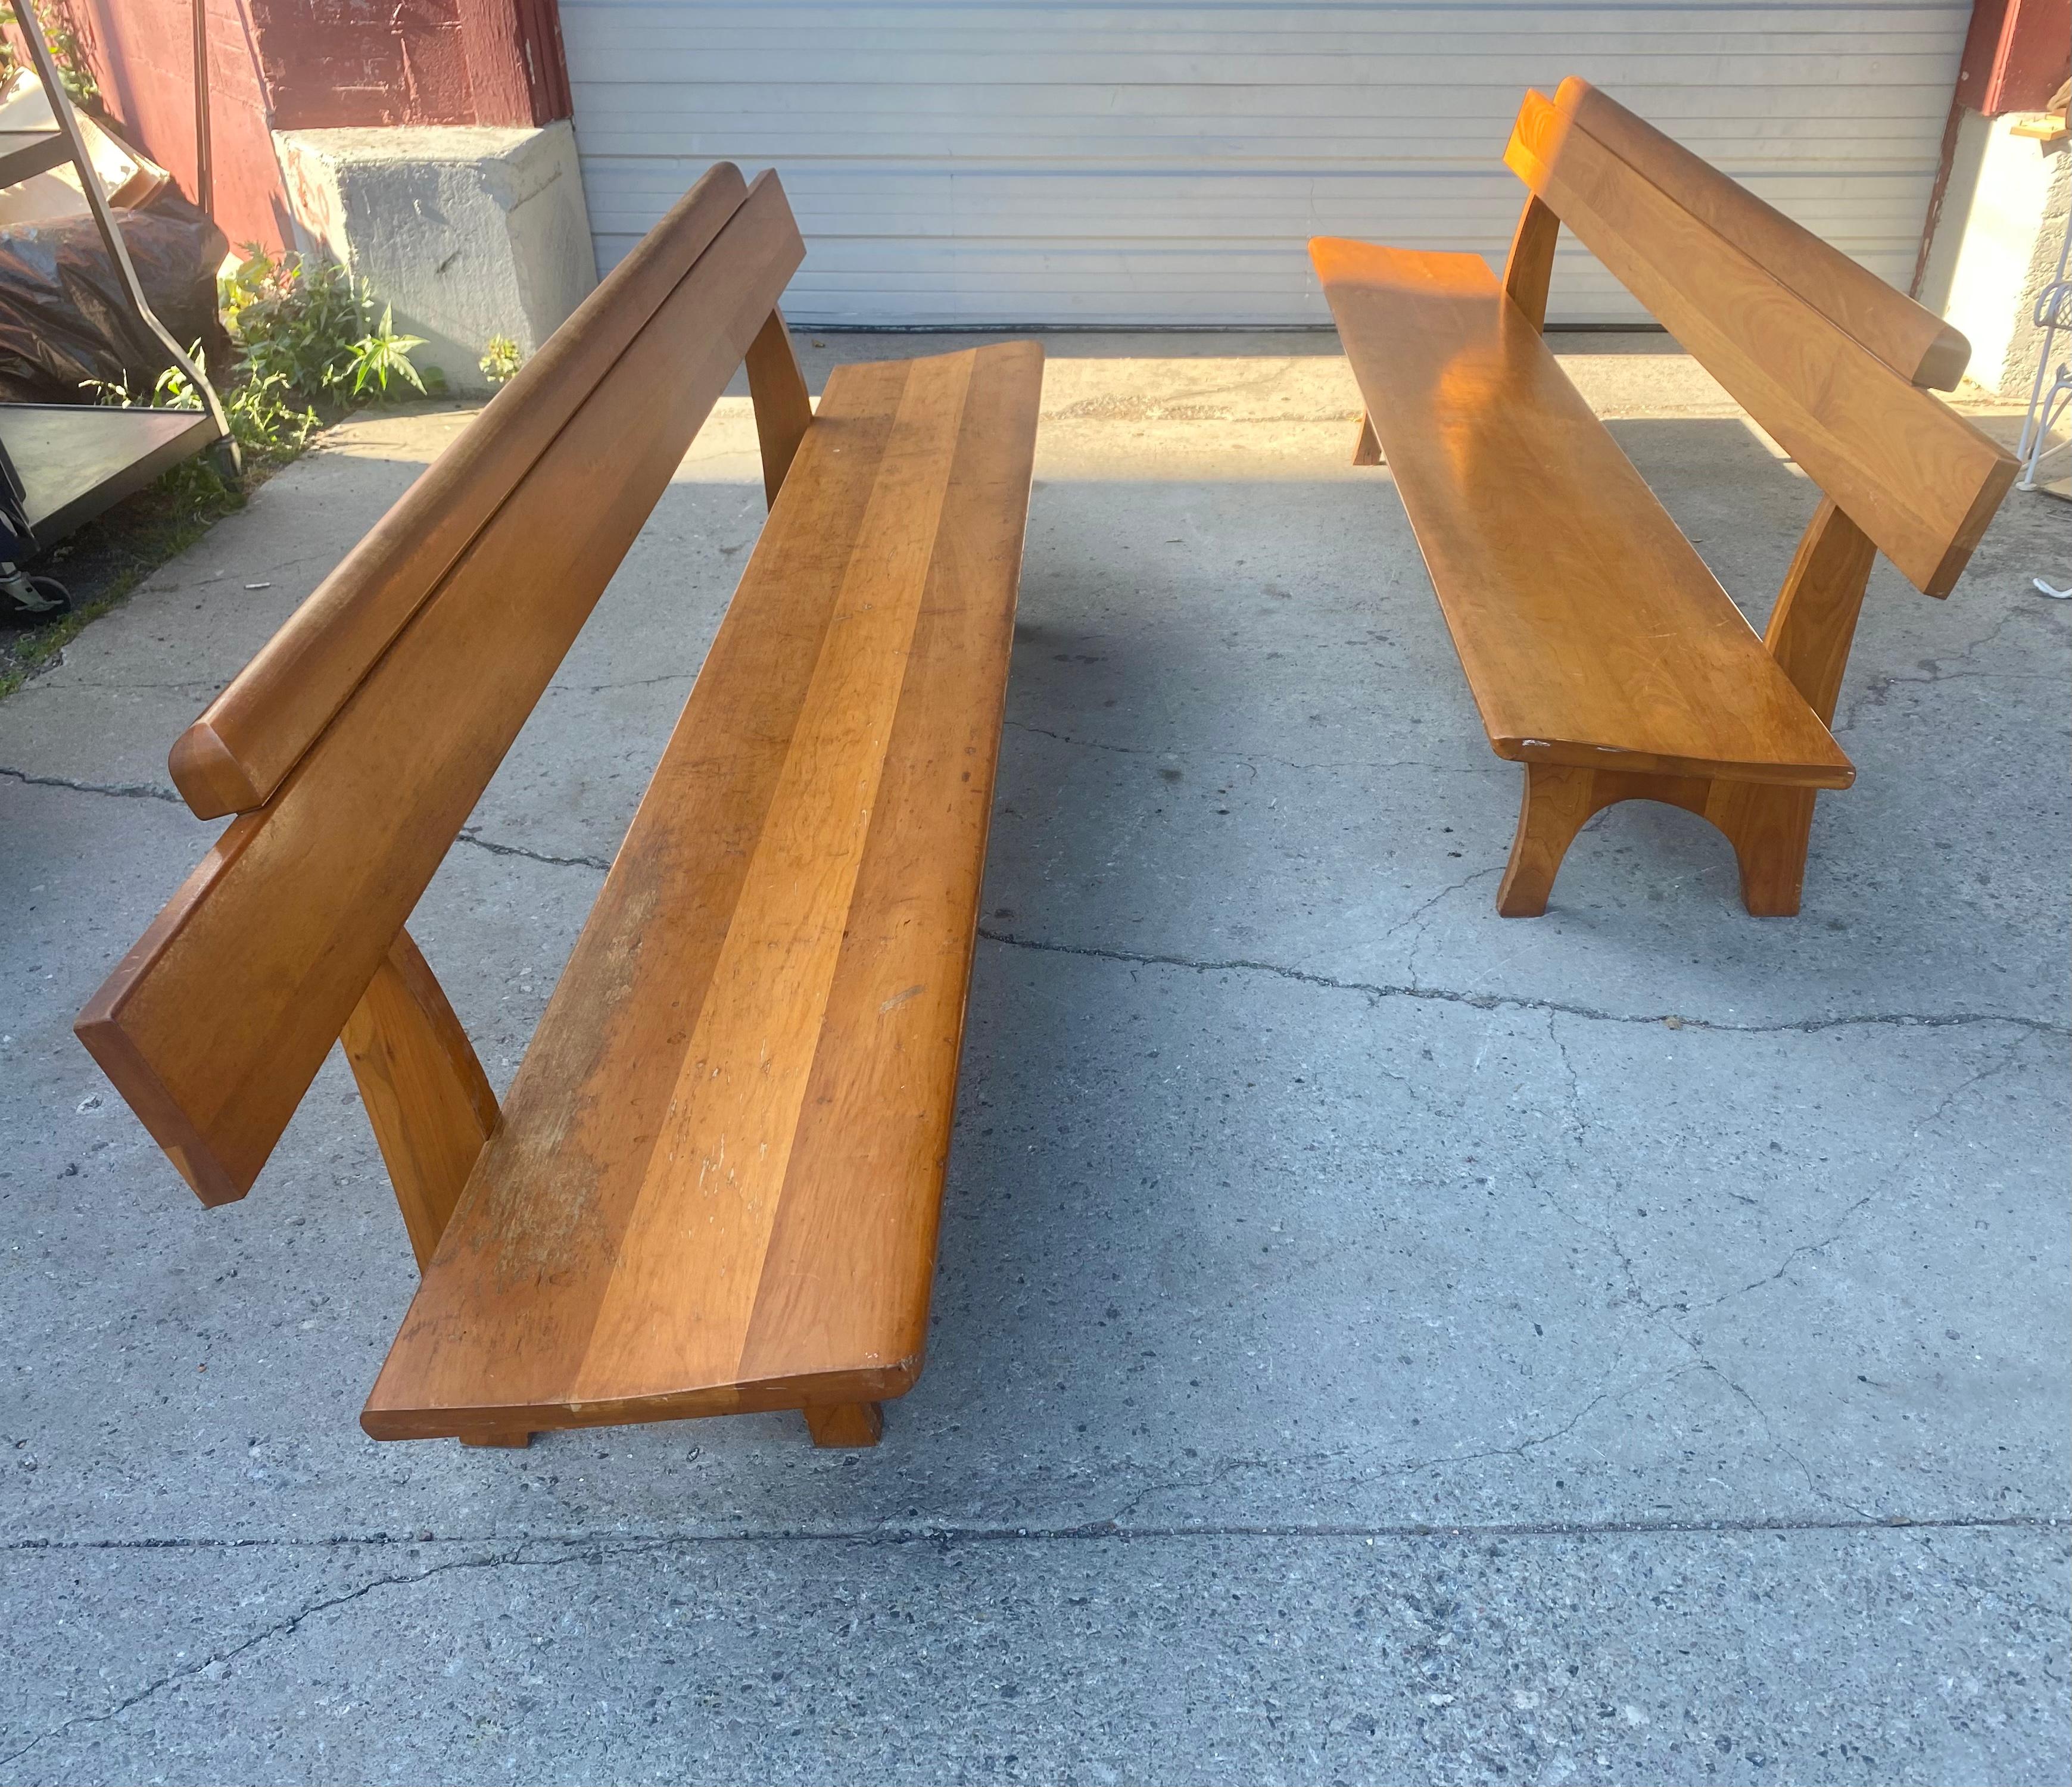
[{"x": 205, "y": 172}]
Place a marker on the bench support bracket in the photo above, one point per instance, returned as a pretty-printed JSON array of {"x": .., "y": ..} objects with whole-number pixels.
[
  {"x": 1769, "y": 827},
  {"x": 846, "y": 1424},
  {"x": 784, "y": 405},
  {"x": 1814, "y": 624},
  {"x": 1530, "y": 270},
  {"x": 429, "y": 1102}
]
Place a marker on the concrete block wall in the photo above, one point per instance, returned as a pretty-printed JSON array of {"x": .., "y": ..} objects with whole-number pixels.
[{"x": 468, "y": 231}]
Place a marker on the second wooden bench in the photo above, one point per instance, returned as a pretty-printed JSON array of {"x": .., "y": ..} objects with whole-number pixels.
[
  {"x": 713, "y": 1185},
  {"x": 1604, "y": 655}
]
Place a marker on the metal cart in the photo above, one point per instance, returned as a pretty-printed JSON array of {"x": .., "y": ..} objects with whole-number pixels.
[{"x": 62, "y": 464}]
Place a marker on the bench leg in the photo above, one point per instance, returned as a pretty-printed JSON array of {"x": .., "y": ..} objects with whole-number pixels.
[
  {"x": 1367, "y": 450},
  {"x": 846, "y": 1424},
  {"x": 1557, "y": 801},
  {"x": 1770, "y": 828},
  {"x": 514, "y": 1442}
]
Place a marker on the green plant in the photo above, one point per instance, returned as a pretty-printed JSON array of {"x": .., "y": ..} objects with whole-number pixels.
[
  {"x": 310, "y": 326},
  {"x": 499, "y": 365},
  {"x": 68, "y": 51},
  {"x": 381, "y": 355},
  {"x": 263, "y": 421}
]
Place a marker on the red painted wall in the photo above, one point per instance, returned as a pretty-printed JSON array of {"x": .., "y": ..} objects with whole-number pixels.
[
  {"x": 2016, "y": 57},
  {"x": 313, "y": 64}
]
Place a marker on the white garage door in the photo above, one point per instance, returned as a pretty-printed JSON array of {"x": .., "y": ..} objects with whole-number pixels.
[{"x": 961, "y": 162}]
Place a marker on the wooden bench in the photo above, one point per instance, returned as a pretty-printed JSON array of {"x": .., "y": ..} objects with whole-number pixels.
[
  {"x": 1603, "y": 655},
  {"x": 714, "y": 1183}
]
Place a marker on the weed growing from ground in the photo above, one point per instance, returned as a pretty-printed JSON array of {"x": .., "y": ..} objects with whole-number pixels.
[{"x": 499, "y": 365}]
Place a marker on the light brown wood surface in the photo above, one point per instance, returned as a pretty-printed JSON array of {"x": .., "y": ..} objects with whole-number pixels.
[
  {"x": 215, "y": 1024},
  {"x": 426, "y": 1096},
  {"x": 237, "y": 752},
  {"x": 717, "y": 1180},
  {"x": 1529, "y": 271},
  {"x": 846, "y": 1424},
  {"x": 1918, "y": 478},
  {"x": 1767, "y": 825},
  {"x": 1814, "y": 622},
  {"x": 1591, "y": 632},
  {"x": 1908, "y": 337},
  {"x": 783, "y": 405}
]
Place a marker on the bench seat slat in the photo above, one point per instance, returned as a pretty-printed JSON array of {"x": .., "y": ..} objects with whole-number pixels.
[
  {"x": 717, "y": 1182},
  {"x": 1591, "y": 631}
]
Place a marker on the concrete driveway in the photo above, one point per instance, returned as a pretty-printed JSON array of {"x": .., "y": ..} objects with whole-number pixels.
[{"x": 1374, "y": 1340}]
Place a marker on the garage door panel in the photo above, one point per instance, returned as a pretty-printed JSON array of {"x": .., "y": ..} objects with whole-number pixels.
[{"x": 1025, "y": 163}]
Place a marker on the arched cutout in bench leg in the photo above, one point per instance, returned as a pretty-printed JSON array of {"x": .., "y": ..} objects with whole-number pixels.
[
  {"x": 513, "y": 1442},
  {"x": 1769, "y": 827},
  {"x": 850, "y": 1424}
]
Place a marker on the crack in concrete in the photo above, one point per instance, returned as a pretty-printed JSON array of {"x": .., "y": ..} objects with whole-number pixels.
[
  {"x": 1376, "y": 991},
  {"x": 469, "y": 834},
  {"x": 47, "y": 685},
  {"x": 2008, "y": 1054},
  {"x": 923, "y": 1533},
  {"x": 559, "y": 687},
  {"x": 144, "y": 792},
  {"x": 1878, "y": 690},
  {"x": 1769, "y": 1426},
  {"x": 284, "y": 1627},
  {"x": 115, "y": 791},
  {"x": 1419, "y": 923},
  {"x": 1248, "y": 759},
  {"x": 1662, "y": 1313}
]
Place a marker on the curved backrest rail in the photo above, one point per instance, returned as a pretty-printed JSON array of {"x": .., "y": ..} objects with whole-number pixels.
[
  {"x": 233, "y": 757},
  {"x": 1920, "y": 480},
  {"x": 214, "y": 1025}
]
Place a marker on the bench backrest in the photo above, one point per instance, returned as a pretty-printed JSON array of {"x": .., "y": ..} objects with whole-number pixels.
[
  {"x": 1826, "y": 357},
  {"x": 354, "y": 747}
]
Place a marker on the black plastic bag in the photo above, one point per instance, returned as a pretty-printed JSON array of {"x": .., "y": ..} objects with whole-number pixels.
[{"x": 64, "y": 316}]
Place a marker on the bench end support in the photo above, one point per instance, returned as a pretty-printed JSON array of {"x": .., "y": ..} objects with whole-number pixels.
[
  {"x": 782, "y": 402},
  {"x": 848, "y": 1425},
  {"x": 431, "y": 1105},
  {"x": 1769, "y": 827},
  {"x": 1557, "y": 801}
]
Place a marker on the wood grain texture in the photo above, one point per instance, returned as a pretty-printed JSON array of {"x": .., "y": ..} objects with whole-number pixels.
[
  {"x": 1769, "y": 827},
  {"x": 1591, "y": 632},
  {"x": 214, "y": 1025},
  {"x": 248, "y": 737},
  {"x": 784, "y": 405},
  {"x": 426, "y": 1096},
  {"x": 848, "y": 1425},
  {"x": 1529, "y": 272},
  {"x": 716, "y": 1183},
  {"x": 1814, "y": 624},
  {"x": 1908, "y": 337},
  {"x": 1919, "y": 479}
]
